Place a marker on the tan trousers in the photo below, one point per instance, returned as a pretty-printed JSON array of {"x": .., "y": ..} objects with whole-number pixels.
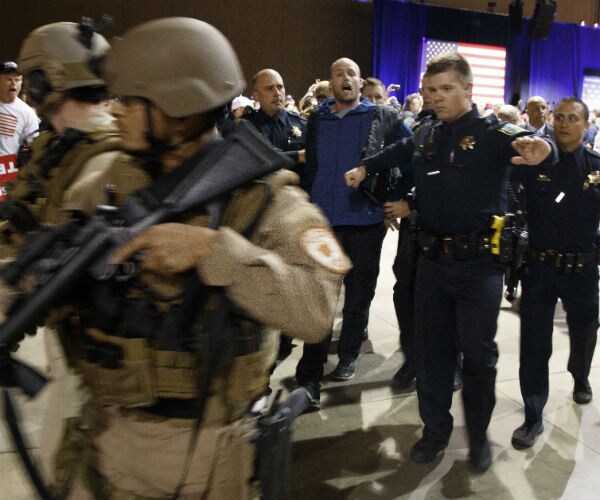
[
  {"x": 66, "y": 397},
  {"x": 138, "y": 456}
]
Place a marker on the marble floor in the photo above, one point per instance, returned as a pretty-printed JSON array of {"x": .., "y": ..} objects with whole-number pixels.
[{"x": 356, "y": 447}]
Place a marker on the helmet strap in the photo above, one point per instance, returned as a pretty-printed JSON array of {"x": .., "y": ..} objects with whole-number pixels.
[{"x": 152, "y": 158}]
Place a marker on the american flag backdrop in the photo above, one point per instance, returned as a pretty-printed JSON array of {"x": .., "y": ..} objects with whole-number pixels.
[
  {"x": 488, "y": 64},
  {"x": 591, "y": 91}
]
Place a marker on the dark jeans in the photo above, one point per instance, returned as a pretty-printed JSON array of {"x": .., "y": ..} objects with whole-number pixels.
[
  {"x": 542, "y": 286},
  {"x": 456, "y": 307},
  {"x": 405, "y": 271},
  {"x": 363, "y": 246}
]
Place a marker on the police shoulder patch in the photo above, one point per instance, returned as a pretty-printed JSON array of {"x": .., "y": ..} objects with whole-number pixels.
[
  {"x": 510, "y": 129},
  {"x": 591, "y": 152},
  {"x": 321, "y": 245}
]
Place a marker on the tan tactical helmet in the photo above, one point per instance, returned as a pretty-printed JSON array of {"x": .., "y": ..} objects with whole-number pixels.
[
  {"x": 184, "y": 66},
  {"x": 55, "y": 59}
]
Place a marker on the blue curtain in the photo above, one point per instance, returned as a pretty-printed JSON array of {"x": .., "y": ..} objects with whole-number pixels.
[
  {"x": 555, "y": 64},
  {"x": 590, "y": 48},
  {"x": 552, "y": 68},
  {"x": 397, "y": 45},
  {"x": 517, "y": 66}
]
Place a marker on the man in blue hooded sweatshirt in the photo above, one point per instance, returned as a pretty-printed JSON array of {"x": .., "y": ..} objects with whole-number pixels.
[{"x": 340, "y": 132}]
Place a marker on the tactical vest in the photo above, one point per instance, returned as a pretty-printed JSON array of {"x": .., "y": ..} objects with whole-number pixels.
[
  {"x": 145, "y": 356},
  {"x": 55, "y": 163}
]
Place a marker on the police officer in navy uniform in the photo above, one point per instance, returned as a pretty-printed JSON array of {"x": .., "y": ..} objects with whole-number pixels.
[
  {"x": 284, "y": 129},
  {"x": 563, "y": 213},
  {"x": 460, "y": 170}
]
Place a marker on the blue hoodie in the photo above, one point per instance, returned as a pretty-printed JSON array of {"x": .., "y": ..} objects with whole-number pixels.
[{"x": 339, "y": 143}]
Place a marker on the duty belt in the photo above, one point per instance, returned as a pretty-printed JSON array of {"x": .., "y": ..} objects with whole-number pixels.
[
  {"x": 566, "y": 262},
  {"x": 458, "y": 246}
]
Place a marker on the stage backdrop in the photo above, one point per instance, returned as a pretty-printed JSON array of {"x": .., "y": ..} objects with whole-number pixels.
[{"x": 553, "y": 68}]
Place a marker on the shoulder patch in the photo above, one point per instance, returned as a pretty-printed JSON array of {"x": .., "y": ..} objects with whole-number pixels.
[
  {"x": 591, "y": 152},
  {"x": 321, "y": 245},
  {"x": 510, "y": 129}
]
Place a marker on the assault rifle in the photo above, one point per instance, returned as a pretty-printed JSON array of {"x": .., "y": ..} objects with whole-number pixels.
[{"x": 56, "y": 259}]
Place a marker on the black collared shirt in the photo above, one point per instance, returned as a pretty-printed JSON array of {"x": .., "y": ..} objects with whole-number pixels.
[
  {"x": 286, "y": 130},
  {"x": 562, "y": 214},
  {"x": 460, "y": 175}
]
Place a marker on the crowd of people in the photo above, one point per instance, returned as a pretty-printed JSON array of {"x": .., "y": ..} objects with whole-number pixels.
[{"x": 157, "y": 371}]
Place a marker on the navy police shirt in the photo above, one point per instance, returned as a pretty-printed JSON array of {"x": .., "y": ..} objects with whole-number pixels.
[
  {"x": 286, "y": 130},
  {"x": 460, "y": 171},
  {"x": 563, "y": 206}
]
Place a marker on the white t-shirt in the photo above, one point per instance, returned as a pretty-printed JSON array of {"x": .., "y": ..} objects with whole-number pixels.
[{"x": 18, "y": 124}]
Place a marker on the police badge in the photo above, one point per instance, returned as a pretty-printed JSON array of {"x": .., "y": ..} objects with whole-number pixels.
[
  {"x": 591, "y": 179},
  {"x": 295, "y": 132},
  {"x": 467, "y": 142}
]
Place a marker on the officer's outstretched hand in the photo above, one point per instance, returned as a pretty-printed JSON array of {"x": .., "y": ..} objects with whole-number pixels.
[
  {"x": 532, "y": 150},
  {"x": 168, "y": 248},
  {"x": 355, "y": 176}
]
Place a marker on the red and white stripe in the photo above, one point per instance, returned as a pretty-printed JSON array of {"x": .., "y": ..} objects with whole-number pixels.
[
  {"x": 8, "y": 124},
  {"x": 488, "y": 64}
]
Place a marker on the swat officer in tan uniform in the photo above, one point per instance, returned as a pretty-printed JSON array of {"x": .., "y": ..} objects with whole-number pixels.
[
  {"x": 81, "y": 143},
  {"x": 138, "y": 354},
  {"x": 71, "y": 162}
]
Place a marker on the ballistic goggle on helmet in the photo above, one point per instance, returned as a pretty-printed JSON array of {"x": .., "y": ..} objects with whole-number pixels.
[{"x": 60, "y": 57}]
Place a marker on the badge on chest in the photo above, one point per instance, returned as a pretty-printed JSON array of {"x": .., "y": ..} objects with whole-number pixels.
[
  {"x": 467, "y": 143},
  {"x": 591, "y": 179}
]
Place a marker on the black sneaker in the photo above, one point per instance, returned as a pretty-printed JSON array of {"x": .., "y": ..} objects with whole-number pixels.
[
  {"x": 345, "y": 370},
  {"x": 427, "y": 450},
  {"x": 525, "y": 436},
  {"x": 481, "y": 457},
  {"x": 457, "y": 382},
  {"x": 582, "y": 393},
  {"x": 403, "y": 379}
]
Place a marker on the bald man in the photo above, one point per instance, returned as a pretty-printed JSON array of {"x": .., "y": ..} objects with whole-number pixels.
[
  {"x": 537, "y": 111},
  {"x": 339, "y": 132},
  {"x": 284, "y": 129}
]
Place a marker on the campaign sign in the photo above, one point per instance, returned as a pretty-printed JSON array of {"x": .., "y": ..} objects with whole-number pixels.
[{"x": 8, "y": 172}]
